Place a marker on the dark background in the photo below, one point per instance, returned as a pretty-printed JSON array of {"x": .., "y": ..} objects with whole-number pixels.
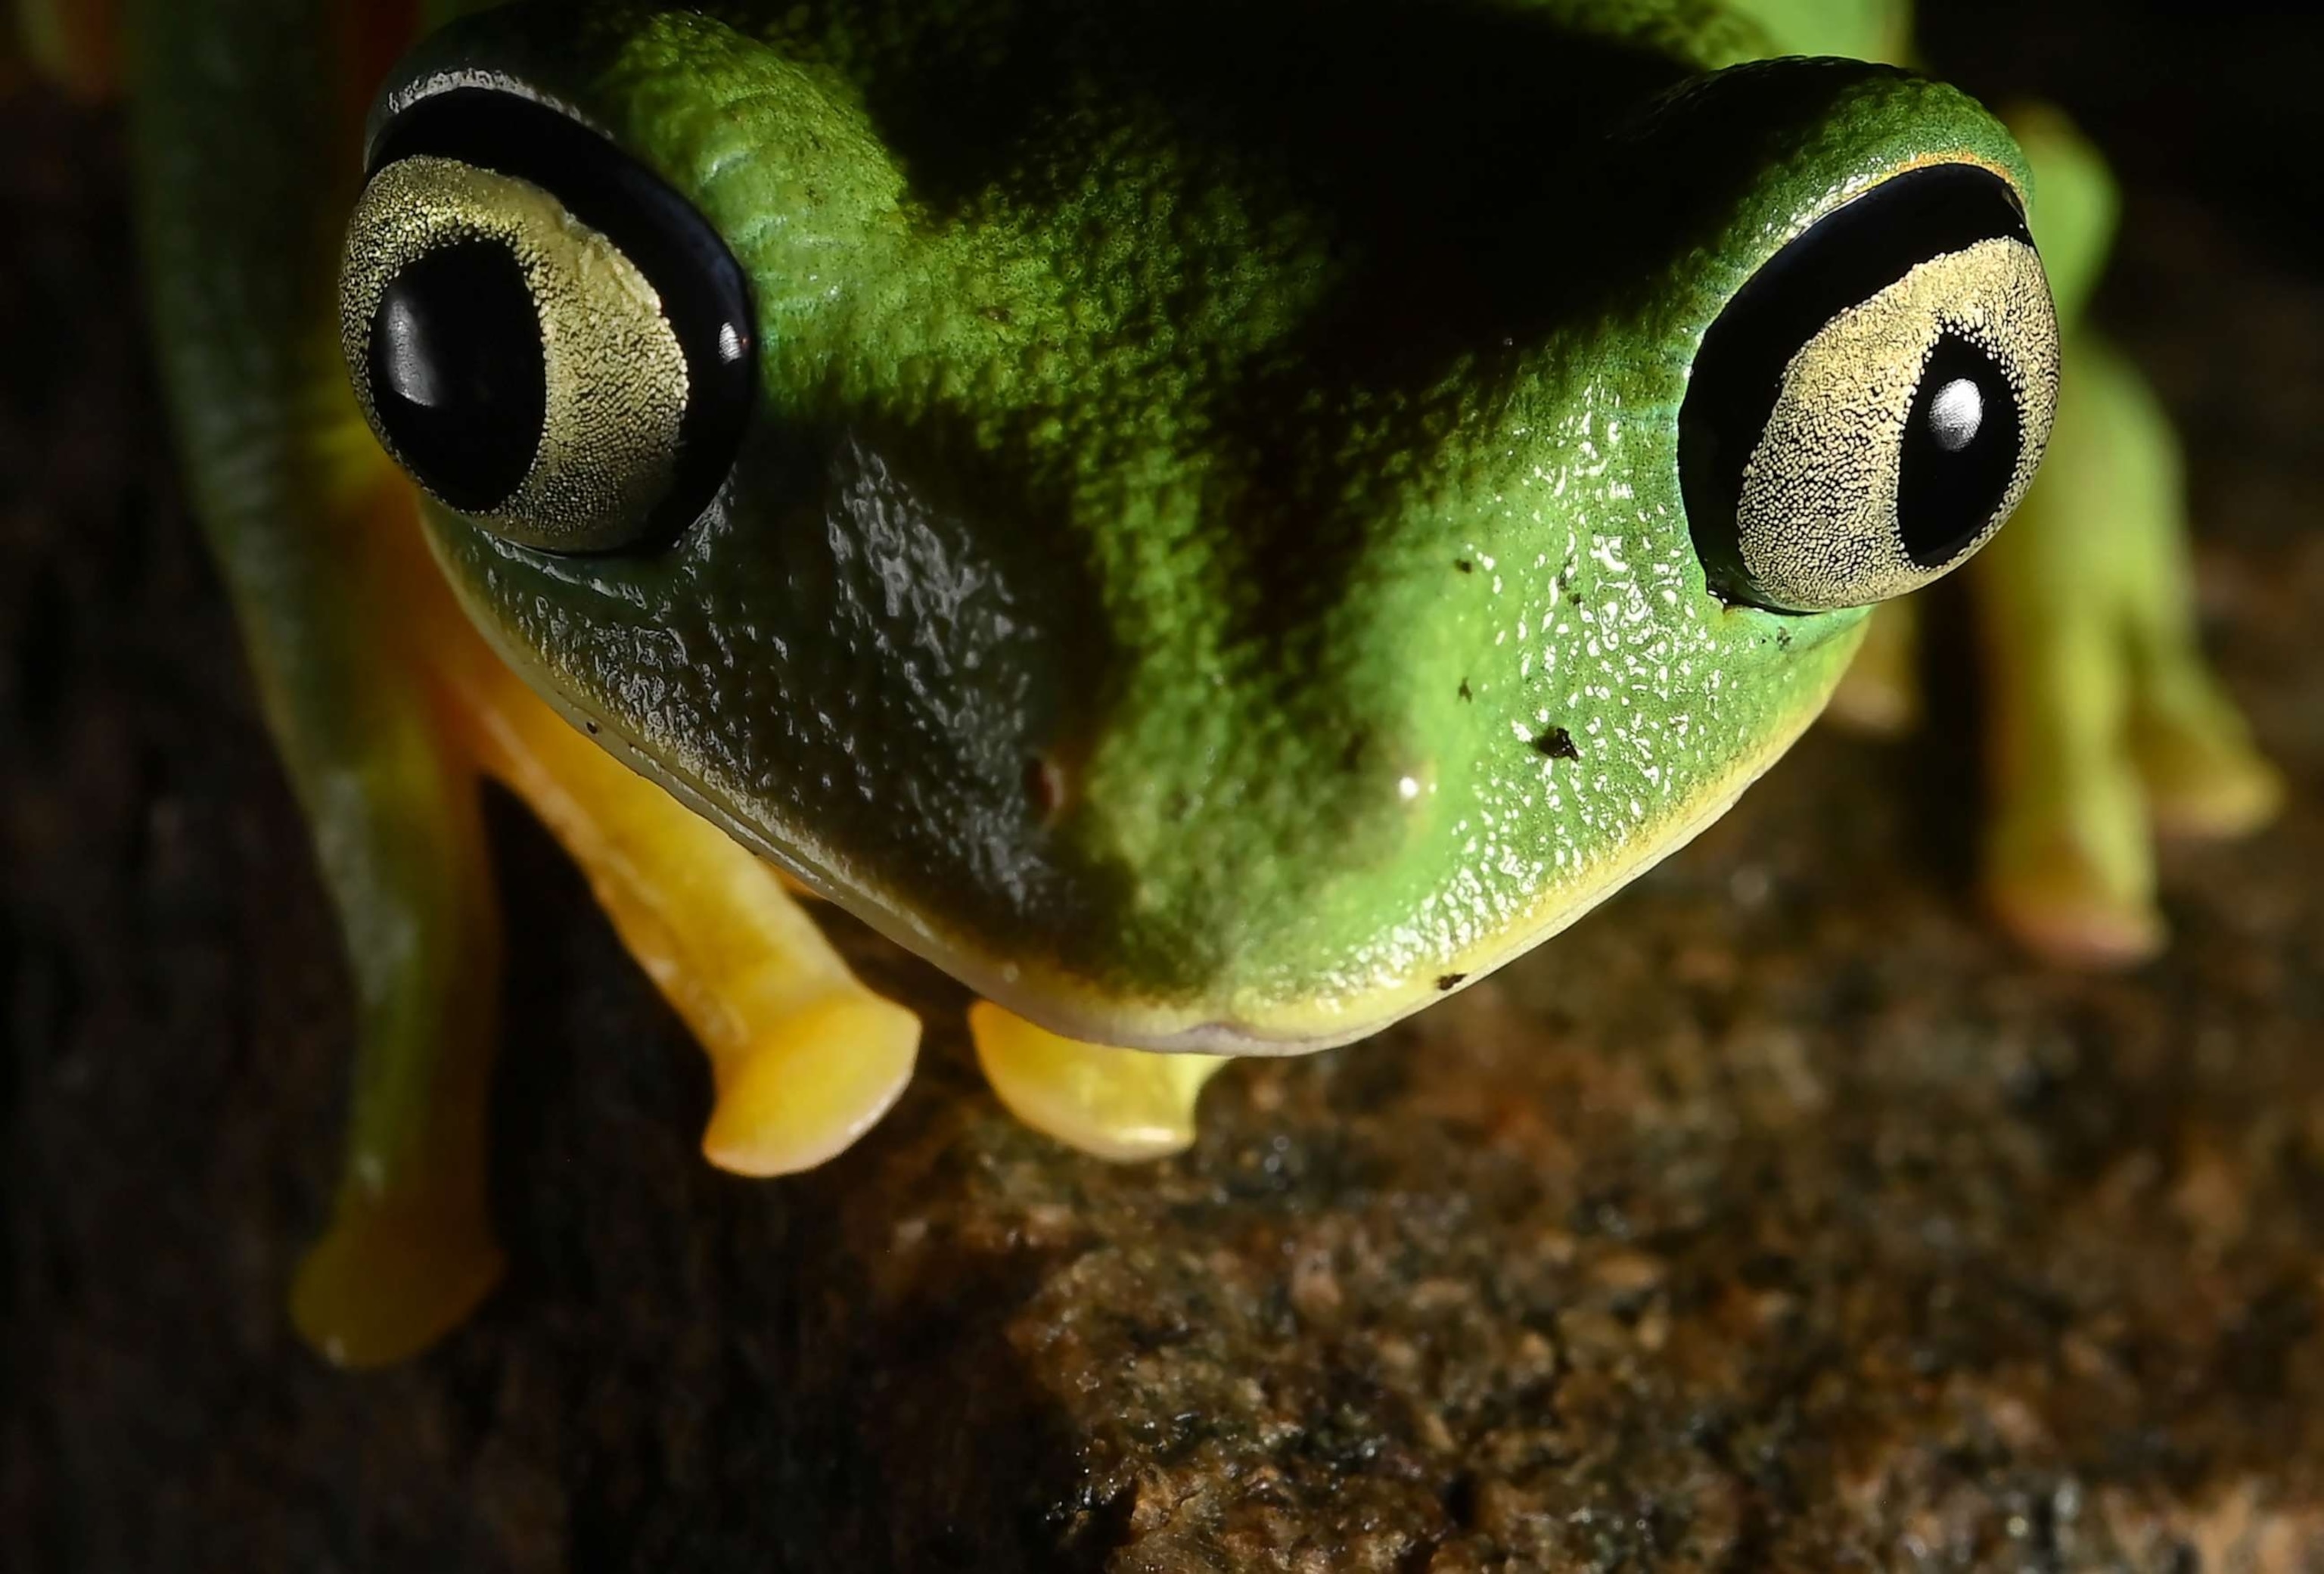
[{"x": 1780, "y": 1216}]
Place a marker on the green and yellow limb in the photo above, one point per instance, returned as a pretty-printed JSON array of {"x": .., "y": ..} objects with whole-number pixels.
[
  {"x": 2107, "y": 726},
  {"x": 804, "y": 1059},
  {"x": 235, "y": 194}
]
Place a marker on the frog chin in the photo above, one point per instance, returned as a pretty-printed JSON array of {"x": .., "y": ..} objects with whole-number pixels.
[
  {"x": 1069, "y": 1005},
  {"x": 1074, "y": 1007}
]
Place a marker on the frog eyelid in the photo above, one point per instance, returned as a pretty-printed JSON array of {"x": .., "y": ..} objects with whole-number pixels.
[{"x": 394, "y": 105}]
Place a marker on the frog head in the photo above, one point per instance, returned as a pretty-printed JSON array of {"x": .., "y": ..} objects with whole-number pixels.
[{"x": 1217, "y": 526}]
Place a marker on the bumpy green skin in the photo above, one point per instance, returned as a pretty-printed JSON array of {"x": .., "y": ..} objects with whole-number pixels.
[{"x": 1264, "y": 414}]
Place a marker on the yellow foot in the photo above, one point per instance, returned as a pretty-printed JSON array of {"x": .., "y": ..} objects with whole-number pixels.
[
  {"x": 2203, "y": 778},
  {"x": 805, "y": 1059},
  {"x": 2076, "y": 901},
  {"x": 2108, "y": 727},
  {"x": 387, "y": 1280},
  {"x": 808, "y": 1082},
  {"x": 1117, "y": 1104},
  {"x": 2068, "y": 869}
]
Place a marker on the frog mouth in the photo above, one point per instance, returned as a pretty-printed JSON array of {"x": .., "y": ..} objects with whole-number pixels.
[{"x": 1070, "y": 1006}]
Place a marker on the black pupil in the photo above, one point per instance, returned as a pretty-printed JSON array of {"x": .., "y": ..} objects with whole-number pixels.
[
  {"x": 457, "y": 377},
  {"x": 1960, "y": 452}
]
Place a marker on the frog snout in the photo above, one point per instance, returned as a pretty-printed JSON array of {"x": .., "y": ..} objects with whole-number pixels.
[{"x": 1189, "y": 870}]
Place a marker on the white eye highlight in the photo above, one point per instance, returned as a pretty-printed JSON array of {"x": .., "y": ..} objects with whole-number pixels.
[{"x": 1956, "y": 414}]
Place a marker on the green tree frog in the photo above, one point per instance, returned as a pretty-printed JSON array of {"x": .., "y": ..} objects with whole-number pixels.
[{"x": 1216, "y": 524}]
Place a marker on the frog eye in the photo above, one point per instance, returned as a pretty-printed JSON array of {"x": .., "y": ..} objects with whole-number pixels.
[
  {"x": 544, "y": 335},
  {"x": 1870, "y": 406}
]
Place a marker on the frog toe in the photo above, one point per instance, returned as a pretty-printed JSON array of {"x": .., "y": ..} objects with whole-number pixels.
[
  {"x": 2204, "y": 778},
  {"x": 810, "y": 1083},
  {"x": 392, "y": 1276},
  {"x": 1113, "y": 1102},
  {"x": 804, "y": 1058},
  {"x": 2076, "y": 888},
  {"x": 2109, "y": 729}
]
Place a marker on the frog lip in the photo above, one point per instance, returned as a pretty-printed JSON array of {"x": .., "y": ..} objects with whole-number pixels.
[
  {"x": 1074, "y": 1007},
  {"x": 1071, "y": 1007}
]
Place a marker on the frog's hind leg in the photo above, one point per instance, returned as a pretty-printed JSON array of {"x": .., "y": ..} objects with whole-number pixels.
[
  {"x": 804, "y": 1058},
  {"x": 1117, "y": 1104},
  {"x": 392, "y": 806}
]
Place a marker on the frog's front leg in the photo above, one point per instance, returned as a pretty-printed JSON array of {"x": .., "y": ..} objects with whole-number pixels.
[
  {"x": 391, "y": 805},
  {"x": 2107, "y": 724},
  {"x": 805, "y": 1059}
]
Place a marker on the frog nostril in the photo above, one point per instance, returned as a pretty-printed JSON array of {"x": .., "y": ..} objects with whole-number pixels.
[{"x": 1047, "y": 787}]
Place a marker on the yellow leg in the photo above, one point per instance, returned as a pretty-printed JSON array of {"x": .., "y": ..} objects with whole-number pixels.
[
  {"x": 1117, "y": 1104},
  {"x": 2107, "y": 725},
  {"x": 805, "y": 1059}
]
